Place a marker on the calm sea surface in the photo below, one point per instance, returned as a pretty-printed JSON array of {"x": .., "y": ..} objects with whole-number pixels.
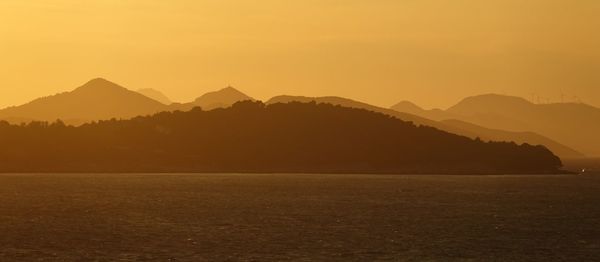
[{"x": 274, "y": 217}]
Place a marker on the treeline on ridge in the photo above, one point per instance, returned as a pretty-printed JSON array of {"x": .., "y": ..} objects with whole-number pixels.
[{"x": 256, "y": 138}]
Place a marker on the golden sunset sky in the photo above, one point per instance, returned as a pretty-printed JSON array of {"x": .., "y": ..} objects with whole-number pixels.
[{"x": 432, "y": 52}]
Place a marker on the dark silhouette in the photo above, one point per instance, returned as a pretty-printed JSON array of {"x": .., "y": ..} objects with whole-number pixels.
[
  {"x": 97, "y": 99},
  {"x": 100, "y": 99},
  {"x": 412, "y": 108},
  {"x": 575, "y": 125},
  {"x": 410, "y": 112},
  {"x": 221, "y": 98},
  {"x": 253, "y": 137},
  {"x": 476, "y": 121},
  {"x": 532, "y": 138}
]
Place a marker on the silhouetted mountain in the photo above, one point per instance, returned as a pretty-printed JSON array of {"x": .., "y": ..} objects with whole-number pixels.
[
  {"x": 97, "y": 99},
  {"x": 411, "y": 108},
  {"x": 487, "y": 134},
  {"x": 575, "y": 125},
  {"x": 252, "y": 137},
  {"x": 471, "y": 131},
  {"x": 221, "y": 99},
  {"x": 100, "y": 99},
  {"x": 531, "y": 138},
  {"x": 407, "y": 106},
  {"x": 334, "y": 100},
  {"x": 494, "y": 111},
  {"x": 156, "y": 95}
]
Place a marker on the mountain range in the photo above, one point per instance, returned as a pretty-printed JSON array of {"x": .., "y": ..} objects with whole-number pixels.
[
  {"x": 100, "y": 99},
  {"x": 451, "y": 126},
  {"x": 573, "y": 124},
  {"x": 480, "y": 117},
  {"x": 95, "y": 100},
  {"x": 219, "y": 99}
]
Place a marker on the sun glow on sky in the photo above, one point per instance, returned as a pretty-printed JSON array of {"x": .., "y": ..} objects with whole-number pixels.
[{"x": 432, "y": 52}]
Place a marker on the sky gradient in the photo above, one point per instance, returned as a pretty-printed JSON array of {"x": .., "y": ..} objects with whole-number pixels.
[{"x": 432, "y": 52}]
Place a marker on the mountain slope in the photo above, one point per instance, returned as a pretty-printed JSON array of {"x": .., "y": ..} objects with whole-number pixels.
[
  {"x": 257, "y": 138},
  {"x": 488, "y": 134},
  {"x": 156, "y": 95},
  {"x": 221, "y": 98},
  {"x": 100, "y": 99},
  {"x": 411, "y": 108},
  {"x": 334, "y": 100},
  {"x": 575, "y": 125},
  {"x": 95, "y": 100},
  {"x": 464, "y": 129}
]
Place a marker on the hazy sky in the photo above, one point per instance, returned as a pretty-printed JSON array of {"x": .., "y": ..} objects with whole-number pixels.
[{"x": 432, "y": 52}]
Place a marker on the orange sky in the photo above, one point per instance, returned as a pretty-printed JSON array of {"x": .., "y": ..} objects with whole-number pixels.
[{"x": 432, "y": 52}]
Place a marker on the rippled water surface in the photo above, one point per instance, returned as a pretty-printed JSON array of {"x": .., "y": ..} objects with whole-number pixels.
[{"x": 215, "y": 217}]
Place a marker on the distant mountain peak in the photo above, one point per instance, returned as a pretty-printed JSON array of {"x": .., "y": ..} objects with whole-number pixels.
[
  {"x": 490, "y": 103},
  {"x": 229, "y": 90},
  {"x": 97, "y": 99},
  {"x": 98, "y": 80},
  {"x": 100, "y": 84},
  {"x": 407, "y": 106},
  {"x": 224, "y": 97},
  {"x": 574, "y": 125}
]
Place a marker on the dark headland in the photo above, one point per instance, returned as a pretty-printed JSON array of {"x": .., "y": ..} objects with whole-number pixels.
[{"x": 251, "y": 137}]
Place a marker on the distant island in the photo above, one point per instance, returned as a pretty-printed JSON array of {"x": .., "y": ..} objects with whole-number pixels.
[
  {"x": 487, "y": 117},
  {"x": 251, "y": 137}
]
